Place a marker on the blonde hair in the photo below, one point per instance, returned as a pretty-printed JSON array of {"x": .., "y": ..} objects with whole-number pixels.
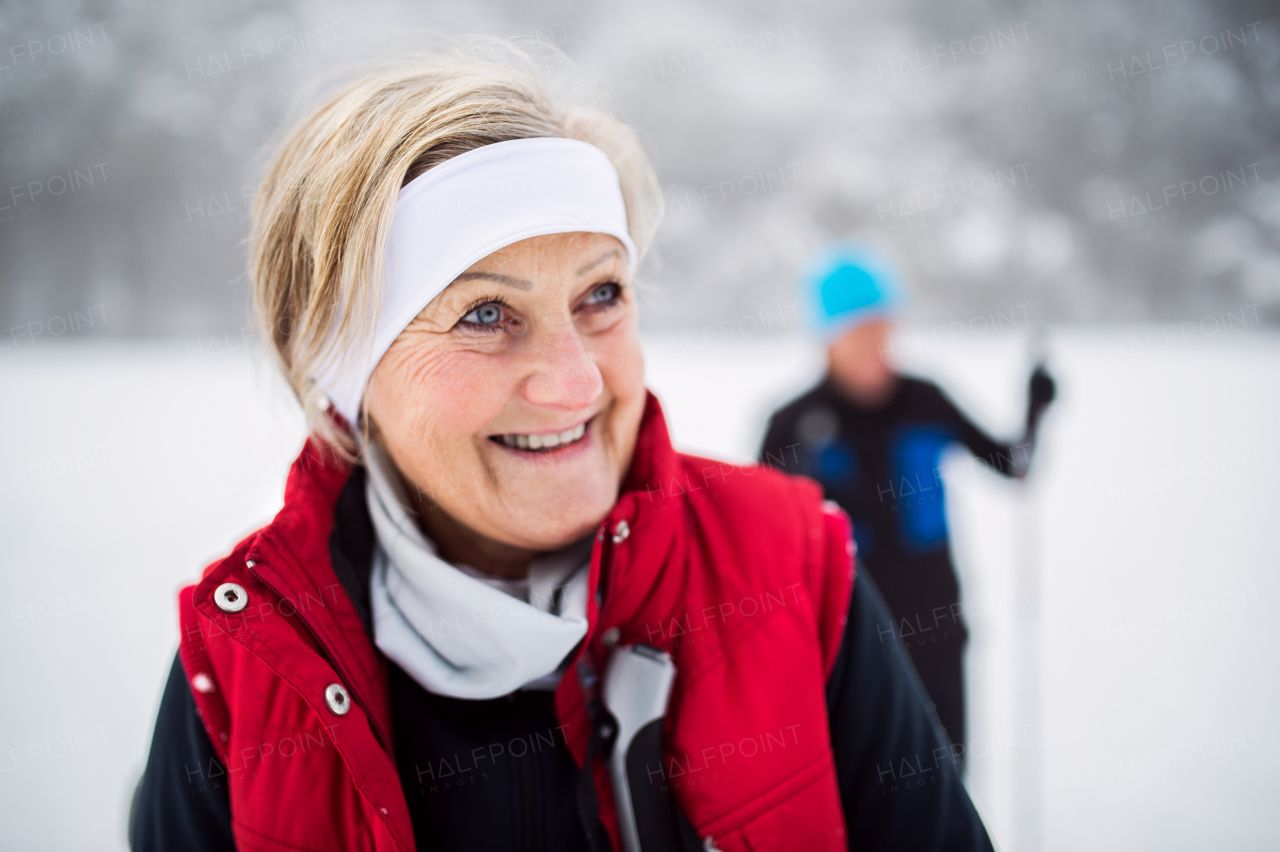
[{"x": 324, "y": 207}]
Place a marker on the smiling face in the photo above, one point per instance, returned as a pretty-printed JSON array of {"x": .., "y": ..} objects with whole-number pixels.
[{"x": 511, "y": 404}]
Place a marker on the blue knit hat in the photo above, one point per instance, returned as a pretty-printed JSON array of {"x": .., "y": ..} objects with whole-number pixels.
[{"x": 848, "y": 285}]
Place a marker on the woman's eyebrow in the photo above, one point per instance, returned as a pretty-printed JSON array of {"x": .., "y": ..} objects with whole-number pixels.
[
  {"x": 599, "y": 260},
  {"x": 518, "y": 283}
]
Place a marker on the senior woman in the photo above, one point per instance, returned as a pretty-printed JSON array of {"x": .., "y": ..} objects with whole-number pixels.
[{"x": 497, "y": 610}]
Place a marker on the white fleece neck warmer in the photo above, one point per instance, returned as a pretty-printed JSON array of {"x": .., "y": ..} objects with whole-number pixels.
[{"x": 455, "y": 631}]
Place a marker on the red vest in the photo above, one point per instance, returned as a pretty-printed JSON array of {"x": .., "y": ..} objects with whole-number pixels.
[{"x": 741, "y": 573}]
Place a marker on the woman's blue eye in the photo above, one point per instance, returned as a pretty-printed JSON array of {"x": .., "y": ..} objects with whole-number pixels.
[
  {"x": 489, "y": 314},
  {"x": 606, "y": 292}
]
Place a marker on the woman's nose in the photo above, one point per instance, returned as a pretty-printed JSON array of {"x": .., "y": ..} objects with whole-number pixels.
[{"x": 565, "y": 376}]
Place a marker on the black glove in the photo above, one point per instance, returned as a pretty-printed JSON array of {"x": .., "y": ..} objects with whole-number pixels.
[{"x": 1042, "y": 389}]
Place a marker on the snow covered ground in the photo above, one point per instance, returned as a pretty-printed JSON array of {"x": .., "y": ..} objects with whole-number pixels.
[{"x": 1134, "y": 578}]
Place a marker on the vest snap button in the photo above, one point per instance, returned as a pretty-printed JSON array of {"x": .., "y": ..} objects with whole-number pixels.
[
  {"x": 621, "y": 530},
  {"x": 230, "y": 598},
  {"x": 611, "y": 637},
  {"x": 337, "y": 699}
]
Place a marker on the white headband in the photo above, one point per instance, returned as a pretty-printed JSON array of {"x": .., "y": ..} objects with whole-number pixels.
[{"x": 467, "y": 208}]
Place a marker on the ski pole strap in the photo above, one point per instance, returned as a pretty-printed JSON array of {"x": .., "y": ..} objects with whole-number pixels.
[{"x": 599, "y": 743}]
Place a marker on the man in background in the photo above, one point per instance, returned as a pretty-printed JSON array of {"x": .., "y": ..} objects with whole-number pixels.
[{"x": 873, "y": 439}]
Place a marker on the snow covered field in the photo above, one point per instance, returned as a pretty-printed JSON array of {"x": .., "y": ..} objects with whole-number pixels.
[{"x": 1137, "y": 569}]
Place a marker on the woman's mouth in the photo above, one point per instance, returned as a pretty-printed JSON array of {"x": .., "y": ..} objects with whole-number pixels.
[{"x": 542, "y": 442}]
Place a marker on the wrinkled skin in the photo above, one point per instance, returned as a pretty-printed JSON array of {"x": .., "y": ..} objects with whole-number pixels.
[{"x": 539, "y": 337}]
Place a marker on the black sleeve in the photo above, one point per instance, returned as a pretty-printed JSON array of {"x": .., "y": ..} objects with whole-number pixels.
[
  {"x": 1009, "y": 459},
  {"x": 899, "y": 776},
  {"x": 778, "y": 450},
  {"x": 182, "y": 802}
]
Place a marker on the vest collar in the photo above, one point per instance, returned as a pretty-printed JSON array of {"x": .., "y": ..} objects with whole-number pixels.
[{"x": 654, "y": 459}]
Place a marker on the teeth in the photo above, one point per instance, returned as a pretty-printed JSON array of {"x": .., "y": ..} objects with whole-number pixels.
[{"x": 544, "y": 442}]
